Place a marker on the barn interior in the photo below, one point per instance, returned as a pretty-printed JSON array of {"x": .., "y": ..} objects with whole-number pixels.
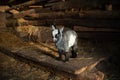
[{"x": 25, "y": 55}]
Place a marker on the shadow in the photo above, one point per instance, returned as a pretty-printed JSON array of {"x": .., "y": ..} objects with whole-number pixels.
[
  {"x": 48, "y": 47},
  {"x": 111, "y": 66},
  {"x": 46, "y": 53}
]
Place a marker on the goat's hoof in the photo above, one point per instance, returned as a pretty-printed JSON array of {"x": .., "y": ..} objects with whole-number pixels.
[
  {"x": 66, "y": 60},
  {"x": 74, "y": 55},
  {"x": 58, "y": 58}
]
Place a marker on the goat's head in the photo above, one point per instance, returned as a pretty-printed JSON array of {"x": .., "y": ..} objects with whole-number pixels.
[{"x": 56, "y": 33}]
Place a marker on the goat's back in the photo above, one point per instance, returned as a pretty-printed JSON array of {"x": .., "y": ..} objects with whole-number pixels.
[{"x": 70, "y": 37}]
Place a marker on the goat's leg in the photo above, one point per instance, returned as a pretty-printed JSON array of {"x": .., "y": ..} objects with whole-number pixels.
[
  {"x": 60, "y": 54},
  {"x": 63, "y": 55},
  {"x": 74, "y": 50},
  {"x": 67, "y": 56}
]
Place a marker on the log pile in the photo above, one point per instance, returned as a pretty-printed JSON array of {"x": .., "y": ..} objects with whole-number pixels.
[
  {"x": 62, "y": 12},
  {"x": 45, "y": 13}
]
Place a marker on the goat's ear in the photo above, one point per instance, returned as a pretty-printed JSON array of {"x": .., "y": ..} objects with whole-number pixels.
[
  {"x": 61, "y": 29},
  {"x": 53, "y": 27}
]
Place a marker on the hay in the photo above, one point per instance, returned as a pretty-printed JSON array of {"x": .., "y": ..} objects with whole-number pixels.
[{"x": 10, "y": 41}]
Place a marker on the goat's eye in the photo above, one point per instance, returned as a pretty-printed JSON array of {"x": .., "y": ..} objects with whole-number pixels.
[{"x": 56, "y": 36}]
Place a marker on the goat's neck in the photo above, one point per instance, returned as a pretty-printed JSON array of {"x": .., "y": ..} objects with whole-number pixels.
[{"x": 60, "y": 43}]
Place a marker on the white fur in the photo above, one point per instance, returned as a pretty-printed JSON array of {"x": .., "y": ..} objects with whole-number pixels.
[
  {"x": 54, "y": 33},
  {"x": 71, "y": 41}
]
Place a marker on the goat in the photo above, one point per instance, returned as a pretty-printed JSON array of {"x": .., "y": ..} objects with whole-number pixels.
[{"x": 65, "y": 42}]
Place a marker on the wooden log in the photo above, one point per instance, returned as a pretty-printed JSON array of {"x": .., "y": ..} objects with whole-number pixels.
[
  {"x": 34, "y": 6},
  {"x": 43, "y": 10},
  {"x": 24, "y": 13},
  {"x": 24, "y": 4},
  {"x": 51, "y": 15},
  {"x": 99, "y": 23},
  {"x": 18, "y": 14},
  {"x": 100, "y": 14},
  {"x": 107, "y": 35},
  {"x": 13, "y": 11},
  {"x": 105, "y": 32},
  {"x": 51, "y": 4},
  {"x": 51, "y": 1},
  {"x": 91, "y": 29},
  {"x": 76, "y": 15},
  {"x": 13, "y": 22},
  {"x": 69, "y": 4},
  {"x": 57, "y": 6},
  {"x": 3, "y": 8},
  {"x": 78, "y": 4}
]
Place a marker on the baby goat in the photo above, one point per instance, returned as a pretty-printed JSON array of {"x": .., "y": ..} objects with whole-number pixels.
[{"x": 65, "y": 42}]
